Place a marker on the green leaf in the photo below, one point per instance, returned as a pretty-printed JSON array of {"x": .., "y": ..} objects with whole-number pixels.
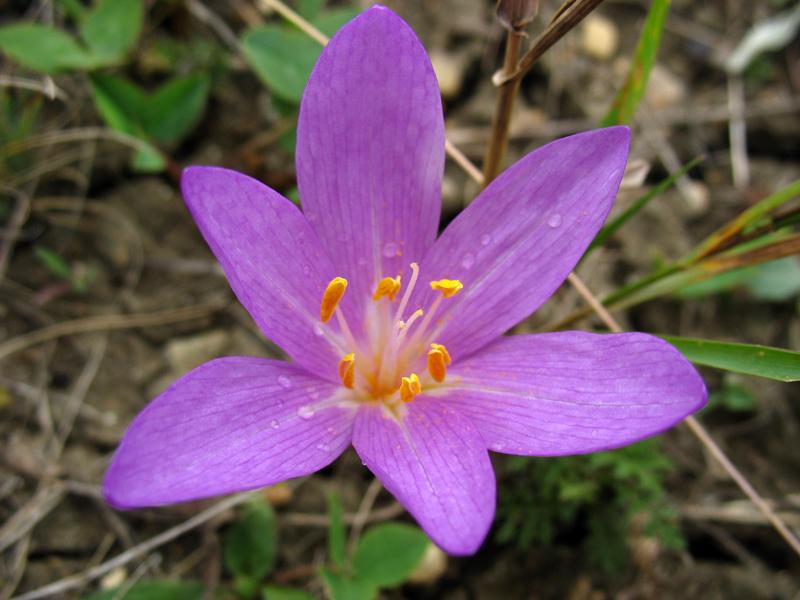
[
  {"x": 53, "y": 262},
  {"x": 44, "y": 49},
  {"x": 282, "y": 58},
  {"x": 273, "y": 592},
  {"x": 251, "y": 543},
  {"x": 112, "y": 28},
  {"x": 627, "y": 99},
  {"x": 336, "y": 533},
  {"x": 308, "y": 9},
  {"x": 174, "y": 109},
  {"x": 732, "y": 396},
  {"x": 347, "y": 588},
  {"x": 750, "y": 359},
  {"x": 775, "y": 281},
  {"x": 118, "y": 101},
  {"x": 749, "y": 218},
  {"x": 148, "y": 160},
  {"x": 609, "y": 230},
  {"x": 388, "y": 553},
  {"x": 155, "y": 589},
  {"x": 332, "y": 21}
]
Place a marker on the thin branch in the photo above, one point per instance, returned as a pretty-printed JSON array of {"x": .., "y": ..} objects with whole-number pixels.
[
  {"x": 80, "y": 579},
  {"x": 106, "y": 323},
  {"x": 567, "y": 19},
  {"x": 362, "y": 514},
  {"x": 504, "y": 106},
  {"x": 296, "y": 20},
  {"x": 462, "y": 161}
]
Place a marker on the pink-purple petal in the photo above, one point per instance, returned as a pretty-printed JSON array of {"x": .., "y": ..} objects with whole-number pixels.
[
  {"x": 271, "y": 257},
  {"x": 229, "y": 425},
  {"x": 435, "y": 463},
  {"x": 573, "y": 392},
  {"x": 370, "y": 149},
  {"x": 516, "y": 243}
]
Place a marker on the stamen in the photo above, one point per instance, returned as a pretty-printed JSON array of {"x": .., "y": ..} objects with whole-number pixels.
[
  {"x": 437, "y": 365},
  {"x": 330, "y": 299},
  {"x": 448, "y": 287},
  {"x": 389, "y": 287},
  {"x": 407, "y": 294},
  {"x": 347, "y": 371},
  {"x": 410, "y": 387},
  {"x": 443, "y": 350}
]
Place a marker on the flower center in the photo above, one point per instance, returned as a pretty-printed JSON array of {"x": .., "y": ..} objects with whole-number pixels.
[{"x": 396, "y": 358}]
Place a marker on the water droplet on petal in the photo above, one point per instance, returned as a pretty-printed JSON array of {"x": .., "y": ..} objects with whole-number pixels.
[
  {"x": 468, "y": 261},
  {"x": 305, "y": 412},
  {"x": 318, "y": 331},
  {"x": 391, "y": 249},
  {"x": 306, "y": 269},
  {"x": 274, "y": 424},
  {"x": 284, "y": 382},
  {"x": 554, "y": 220},
  {"x": 485, "y": 239},
  {"x": 362, "y": 262},
  {"x": 498, "y": 446},
  {"x": 323, "y": 447}
]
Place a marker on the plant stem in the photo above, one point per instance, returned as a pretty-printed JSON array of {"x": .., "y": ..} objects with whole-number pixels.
[{"x": 506, "y": 94}]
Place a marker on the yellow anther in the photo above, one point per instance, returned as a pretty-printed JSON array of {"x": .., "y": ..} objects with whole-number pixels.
[
  {"x": 437, "y": 365},
  {"x": 448, "y": 287},
  {"x": 410, "y": 387},
  {"x": 388, "y": 286},
  {"x": 443, "y": 350},
  {"x": 330, "y": 299},
  {"x": 347, "y": 370}
]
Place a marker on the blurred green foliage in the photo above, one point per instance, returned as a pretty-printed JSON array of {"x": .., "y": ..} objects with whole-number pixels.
[{"x": 596, "y": 497}]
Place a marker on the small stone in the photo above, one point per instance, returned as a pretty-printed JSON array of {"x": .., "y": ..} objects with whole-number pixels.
[
  {"x": 664, "y": 89},
  {"x": 430, "y": 568},
  {"x": 449, "y": 71},
  {"x": 278, "y": 495},
  {"x": 186, "y": 353},
  {"x": 114, "y": 578},
  {"x": 599, "y": 37}
]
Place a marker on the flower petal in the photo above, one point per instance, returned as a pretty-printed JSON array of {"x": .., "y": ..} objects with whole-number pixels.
[
  {"x": 231, "y": 424},
  {"x": 516, "y": 243},
  {"x": 370, "y": 149},
  {"x": 434, "y": 462},
  {"x": 573, "y": 392},
  {"x": 271, "y": 257}
]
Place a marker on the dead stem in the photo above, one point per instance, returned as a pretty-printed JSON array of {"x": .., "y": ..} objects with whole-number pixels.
[
  {"x": 506, "y": 94},
  {"x": 106, "y": 323}
]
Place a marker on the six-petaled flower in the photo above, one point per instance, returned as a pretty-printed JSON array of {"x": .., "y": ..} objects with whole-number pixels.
[{"x": 395, "y": 337}]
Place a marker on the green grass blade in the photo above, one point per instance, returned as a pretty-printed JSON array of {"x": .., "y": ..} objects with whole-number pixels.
[
  {"x": 609, "y": 230},
  {"x": 747, "y": 219},
  {"x": 749, "y": 359},
  {"x": 627, "y": 100}
]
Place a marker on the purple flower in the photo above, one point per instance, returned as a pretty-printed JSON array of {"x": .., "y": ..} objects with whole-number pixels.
[{"x": 396, "y": 336}]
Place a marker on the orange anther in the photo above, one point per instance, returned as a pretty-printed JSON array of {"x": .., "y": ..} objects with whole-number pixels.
[{"x": 330, "y": 299}]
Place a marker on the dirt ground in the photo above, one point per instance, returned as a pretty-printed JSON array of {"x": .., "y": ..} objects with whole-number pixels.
[{"x": 66, "y": 399}]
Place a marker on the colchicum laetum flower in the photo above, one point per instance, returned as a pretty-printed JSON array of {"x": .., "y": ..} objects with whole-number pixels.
[{"x": 396, "y": 337}]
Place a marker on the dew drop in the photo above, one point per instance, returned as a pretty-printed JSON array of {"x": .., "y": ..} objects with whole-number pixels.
[
  {"x": 306, "y": 269},
  {"x": 305, "y": 412},
  {"x": 284, "y": 382},
  {"x": 362, "y": 262},
  {"x": 274, "y": 424},
  {"x": 318, "y": 331},
  {"x": 499, "y": 446},
  {"x": 468, "y": 261},
  {"x": 323, "y": 447},
  {"x": 391, "y": 249},
  {"x": 485, "y": 239},
  {"x": 554, "y": 220}
]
